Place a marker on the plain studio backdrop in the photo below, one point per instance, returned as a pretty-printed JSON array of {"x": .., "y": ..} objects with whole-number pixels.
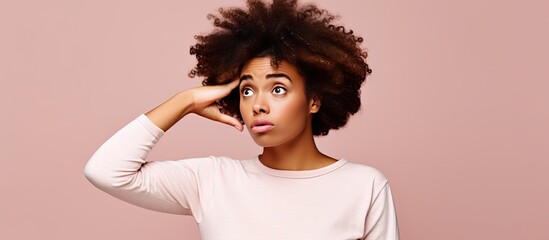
[{"x": 455, "y": 114}]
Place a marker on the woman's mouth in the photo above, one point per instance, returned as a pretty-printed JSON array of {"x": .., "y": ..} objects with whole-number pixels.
[{"x": 260, "y": 126}]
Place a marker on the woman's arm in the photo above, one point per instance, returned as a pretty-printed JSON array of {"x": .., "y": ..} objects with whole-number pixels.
[
  {"x": 170, "y": 112},
  {"x": 119, "y": 168},
  {"x": 381, "y": 220}
]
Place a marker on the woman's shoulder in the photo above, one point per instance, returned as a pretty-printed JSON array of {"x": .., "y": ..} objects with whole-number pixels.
[{"x": 365, "y": 171}]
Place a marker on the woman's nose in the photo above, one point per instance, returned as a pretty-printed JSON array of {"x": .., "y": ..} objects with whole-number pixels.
[{"x": 260, "y": 106}]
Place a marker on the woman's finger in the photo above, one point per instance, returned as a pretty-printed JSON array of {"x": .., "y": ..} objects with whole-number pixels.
[
  {"x": 225, "y": 89},
  {"x": 224, "y": 118},
  {"x": 212, "y": 112}
]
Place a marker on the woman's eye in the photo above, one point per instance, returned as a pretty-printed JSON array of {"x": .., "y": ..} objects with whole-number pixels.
[
  {"x": 246, "y": 92},
  {"x": 279, "y": 90}
]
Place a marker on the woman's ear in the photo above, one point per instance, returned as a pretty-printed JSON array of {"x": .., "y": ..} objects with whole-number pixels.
[{"x": 314, "y": 105}]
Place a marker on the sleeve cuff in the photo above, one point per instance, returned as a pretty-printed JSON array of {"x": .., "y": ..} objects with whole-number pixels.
[{"x": 150, "y": 126}]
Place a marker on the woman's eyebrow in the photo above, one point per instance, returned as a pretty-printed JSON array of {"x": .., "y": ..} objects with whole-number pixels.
[
  {"x": 279, "y": 75},
  {"x": 246, "y": 77},
  {"x": 273, "y": 75}
]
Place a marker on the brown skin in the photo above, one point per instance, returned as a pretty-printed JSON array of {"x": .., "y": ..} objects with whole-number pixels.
[
  {"x": 288, "y": 146},
  {"x": 281, "y": 100},
  {"x": 199, "y": 100}
]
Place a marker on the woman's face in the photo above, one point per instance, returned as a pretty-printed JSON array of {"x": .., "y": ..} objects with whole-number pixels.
[{"x": 273, "y": 104}]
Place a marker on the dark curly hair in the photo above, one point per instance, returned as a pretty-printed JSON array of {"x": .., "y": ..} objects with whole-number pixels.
[{"x": 329, "y": 57}]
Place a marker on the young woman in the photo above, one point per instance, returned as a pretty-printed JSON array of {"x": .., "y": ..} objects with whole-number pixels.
[{"x": 287, "y": 74}]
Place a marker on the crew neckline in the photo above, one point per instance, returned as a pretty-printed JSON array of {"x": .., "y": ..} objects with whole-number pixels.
[{"x": 298, "y": 173}]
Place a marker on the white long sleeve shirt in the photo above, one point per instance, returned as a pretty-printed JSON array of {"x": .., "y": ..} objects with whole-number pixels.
[{"x": 244, "y": 199}]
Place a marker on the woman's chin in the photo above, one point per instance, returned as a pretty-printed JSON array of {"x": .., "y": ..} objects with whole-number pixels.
[{"x": 264, "y": 142}]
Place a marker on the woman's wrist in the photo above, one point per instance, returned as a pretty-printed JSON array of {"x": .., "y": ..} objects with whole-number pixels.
[{"x": 171, "y": 111}]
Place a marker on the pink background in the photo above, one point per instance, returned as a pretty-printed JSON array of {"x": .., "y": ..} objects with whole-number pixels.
[{"x": 455, "y": 114}]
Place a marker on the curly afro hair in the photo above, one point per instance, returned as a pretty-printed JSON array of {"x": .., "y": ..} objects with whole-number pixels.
[{"x": 329, "y": 57}]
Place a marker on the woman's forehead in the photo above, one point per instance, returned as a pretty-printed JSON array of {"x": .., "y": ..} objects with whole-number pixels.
[{"x": 263, "y": 66}]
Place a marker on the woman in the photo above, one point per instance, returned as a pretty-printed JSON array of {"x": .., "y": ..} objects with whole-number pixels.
[{"x": 287, "y": 74}]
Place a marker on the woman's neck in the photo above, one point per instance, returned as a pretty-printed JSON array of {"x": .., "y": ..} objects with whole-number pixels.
[{"x": 300, "y": 154}]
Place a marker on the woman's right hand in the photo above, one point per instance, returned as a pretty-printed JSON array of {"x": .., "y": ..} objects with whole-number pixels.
[{"x": 204, "y": 102}]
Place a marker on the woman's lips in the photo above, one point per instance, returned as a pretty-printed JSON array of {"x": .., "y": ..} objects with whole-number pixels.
[{"x": 260, "y": 126}]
